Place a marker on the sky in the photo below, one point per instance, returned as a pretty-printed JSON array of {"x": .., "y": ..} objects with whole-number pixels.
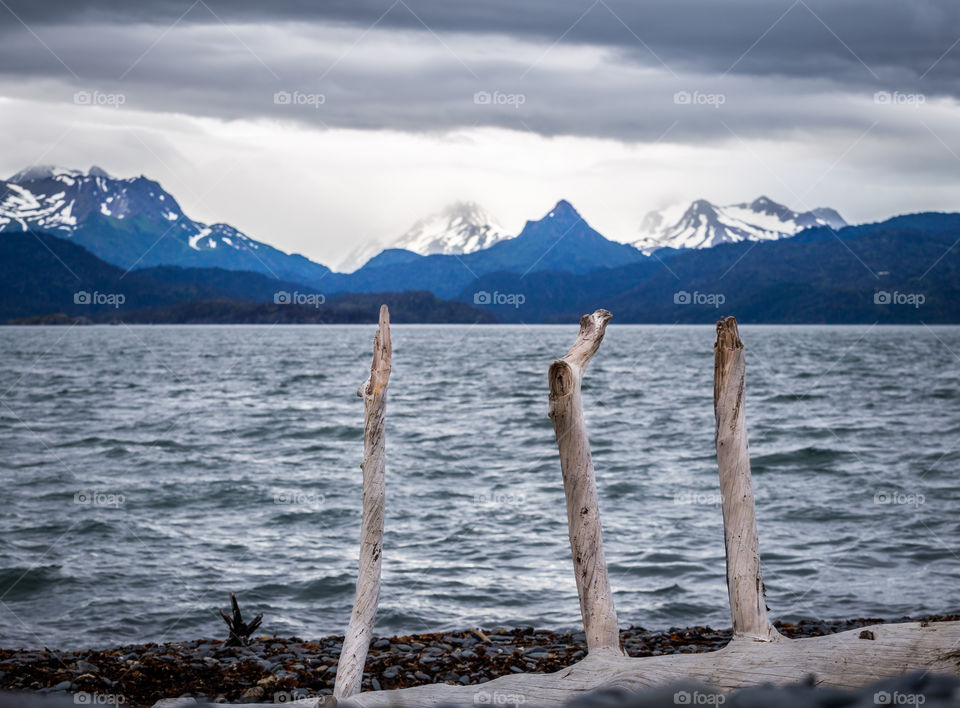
[{"x": 316, "y": 126}]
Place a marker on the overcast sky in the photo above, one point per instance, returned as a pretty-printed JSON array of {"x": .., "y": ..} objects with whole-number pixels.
[{"x": 399, "y": 107}]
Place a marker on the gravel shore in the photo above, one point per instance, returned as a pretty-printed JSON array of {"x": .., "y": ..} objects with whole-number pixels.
[{"x": 274, "y": 669}]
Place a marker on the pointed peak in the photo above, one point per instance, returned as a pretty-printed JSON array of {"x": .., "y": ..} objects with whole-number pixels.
[
  {"x": 701, "y": 206},
  {"x": 563, "y": 210},
  {"x": 95, "y": 171},
  {"x": 764, "y": 203}
]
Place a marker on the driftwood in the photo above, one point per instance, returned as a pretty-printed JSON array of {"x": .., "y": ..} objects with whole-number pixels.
[
  {"x": 356, "y": 642},
  {"x": 240, "y": 631},
  {"x": 580, "y": 486},
  {"x": 744, "y": 580},
  {"x": 757, "y": 653}
]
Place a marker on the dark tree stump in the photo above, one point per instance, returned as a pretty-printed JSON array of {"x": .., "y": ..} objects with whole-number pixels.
[{"x": 240, "y": 631}]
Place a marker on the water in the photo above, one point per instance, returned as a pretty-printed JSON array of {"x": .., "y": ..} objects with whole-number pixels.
[{"x": 182, "y": 441}]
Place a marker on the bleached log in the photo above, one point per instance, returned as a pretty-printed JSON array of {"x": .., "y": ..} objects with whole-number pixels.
[
  {"x": 744, "y": 580},
  {"x": 356, "y": 642},
  {"x": 580, "y": 487},
  {"x": 842, "y": 660}
]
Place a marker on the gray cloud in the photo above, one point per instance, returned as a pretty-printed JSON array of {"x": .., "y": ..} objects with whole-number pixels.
[
  {"x": 414, "y": 81},
  {"x": 854, "y": 39}
]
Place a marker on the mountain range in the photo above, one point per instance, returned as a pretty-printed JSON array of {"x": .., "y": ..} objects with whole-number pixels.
[
  {"x": 70, "y": 232},
  {"x": 134, "y": 223}
]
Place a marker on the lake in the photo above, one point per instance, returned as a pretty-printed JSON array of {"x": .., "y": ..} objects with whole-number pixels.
[{"x": 148, "y": 471}]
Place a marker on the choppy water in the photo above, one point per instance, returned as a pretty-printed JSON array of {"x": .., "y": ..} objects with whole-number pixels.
[{"x": 182, "y": 441}]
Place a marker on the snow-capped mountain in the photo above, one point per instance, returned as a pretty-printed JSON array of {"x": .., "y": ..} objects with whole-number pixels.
[
  {"x": 134, "y": 223},
  {"x": 462, "y": 227},
  {"x": 702, "y": 224}
]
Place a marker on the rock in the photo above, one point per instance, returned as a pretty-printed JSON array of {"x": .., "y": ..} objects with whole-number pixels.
[
  {"x": 253, "y": 692},
  {"x": 85, "y": 667}
]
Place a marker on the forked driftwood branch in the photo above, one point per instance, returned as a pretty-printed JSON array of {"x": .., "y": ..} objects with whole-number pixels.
[
  {"x": 356, "y": 642},
  {"x": 757, "y": 653},
  {"x": 240, "y": 631},
  {"x": 580, "y": 486}
]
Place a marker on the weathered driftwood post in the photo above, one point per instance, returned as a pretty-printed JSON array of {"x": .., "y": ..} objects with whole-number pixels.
[
  {"x": 580, "y": 487},
  {"x": 744, "y": 579},
  {"x": 356, "y": 642}
]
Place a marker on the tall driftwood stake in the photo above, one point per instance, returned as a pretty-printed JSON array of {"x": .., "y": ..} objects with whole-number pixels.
[
  {"x": 744, "y": 580},
  {"x": 356, "y": 642},
  {"x": 579, "y": 484}
]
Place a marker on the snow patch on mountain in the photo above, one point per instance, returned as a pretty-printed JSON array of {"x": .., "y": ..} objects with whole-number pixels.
[
  {"x": 462, "y": 227},
  {"x": 703, "y": 224}
]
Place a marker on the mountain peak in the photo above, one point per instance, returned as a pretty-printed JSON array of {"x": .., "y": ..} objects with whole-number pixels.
[
  {"x": 95, "y": 171},
  {"x": 699, "y": 206},
  {"x": 563, "y": 210},
  {"x": 703, "y": 224},
  {"x": 458, "y": 228}
]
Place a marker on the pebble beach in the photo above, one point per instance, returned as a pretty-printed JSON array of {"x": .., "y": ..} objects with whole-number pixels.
[{"x": 276, "y": 669}]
